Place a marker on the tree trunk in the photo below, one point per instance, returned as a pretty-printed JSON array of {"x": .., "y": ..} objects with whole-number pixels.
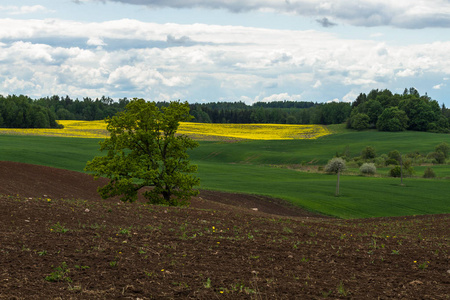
[
  {"x": 337, "y": 184},
  {"x": 401, "y": 170}
]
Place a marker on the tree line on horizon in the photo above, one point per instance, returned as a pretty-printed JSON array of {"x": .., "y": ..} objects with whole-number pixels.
[{"x": 379, "y": 109}]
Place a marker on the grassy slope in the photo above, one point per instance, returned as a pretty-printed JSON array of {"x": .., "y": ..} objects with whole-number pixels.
[
  {"x": 238, "y": 167},
  {"x": 320, "y": 150},
  {"x": 360, "y": 196}
]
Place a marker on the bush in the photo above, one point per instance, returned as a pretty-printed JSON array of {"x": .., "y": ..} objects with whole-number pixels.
[
  {"x": 395, "y": 172},
  {"x": 410, "y": 171},
  {"x": 368, "y": 168},
  {"x": 379, "y": 161},
  {"x": 368, "y": 153},
  {"x": 394, "y": 154},
  {"x": 429, "y": 173},
  {"x": 360, "y": 121},
  {"x": 391, "y": 161},
  {"x": 437, "y": 157},
  {"x": 444, "y": 148}
]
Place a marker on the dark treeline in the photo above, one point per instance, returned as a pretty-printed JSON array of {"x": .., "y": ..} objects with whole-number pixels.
[
  {"x": 22, "y": 112},
  {"x": 279, "y": 112},
  {"x": 380, "y": 109},
  {"x": 385, "y": 111}
]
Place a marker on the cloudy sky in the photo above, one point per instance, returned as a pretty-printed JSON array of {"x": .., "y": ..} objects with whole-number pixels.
[{"x": 224, "y": 50}]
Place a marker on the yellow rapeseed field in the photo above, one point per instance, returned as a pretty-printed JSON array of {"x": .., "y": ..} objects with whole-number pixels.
[
  {"x": 198, "y": 131},
  {"x": 72, "y": 128},
  {"x": 204, "y": 131}
]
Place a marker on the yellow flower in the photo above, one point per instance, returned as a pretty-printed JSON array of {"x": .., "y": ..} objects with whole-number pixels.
[{"x": 415, "y": 261}]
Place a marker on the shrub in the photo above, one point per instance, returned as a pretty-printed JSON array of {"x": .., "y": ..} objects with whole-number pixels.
[
  {"x": 410, "y": 171},
  {"x": 394, "y": 154},
  {"x": 395, "y": 171},
  {"x": 437, "y": 157},
  {"x": 368, "y": 168},
  {"x": 353, "y": 164},
  {"x": 368, "y": 153},
  {"x": 391, "y": 161},
  {"x": 429, "y": 173},
  {"x": 360, "y": 121},
  {"x": 444, "y": 148},
  {"x": 379, "y": 161}
]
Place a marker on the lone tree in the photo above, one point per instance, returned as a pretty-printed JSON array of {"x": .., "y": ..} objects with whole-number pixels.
[
  {"x": 336, "y": 165},
  {"x": 143, "y": 151}
]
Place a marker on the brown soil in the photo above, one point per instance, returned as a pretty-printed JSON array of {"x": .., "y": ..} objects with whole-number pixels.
[{"x": 61, "y": 241}]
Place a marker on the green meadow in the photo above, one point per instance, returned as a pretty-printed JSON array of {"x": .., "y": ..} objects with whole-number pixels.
[{"x": 261, "y": 167}]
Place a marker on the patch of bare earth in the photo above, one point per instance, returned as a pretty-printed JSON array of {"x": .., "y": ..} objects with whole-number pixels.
[{"x": 61, "y": 241}]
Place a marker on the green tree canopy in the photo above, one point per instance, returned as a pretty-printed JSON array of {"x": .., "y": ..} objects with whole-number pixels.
[
  {"x": 392, "y": 119},
  {"x": 360, "y": 121},
  {"x": 143, "y": 151}
]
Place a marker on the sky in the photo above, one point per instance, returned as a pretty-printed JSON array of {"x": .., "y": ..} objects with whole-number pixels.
[{"x": 224, "y": 50}]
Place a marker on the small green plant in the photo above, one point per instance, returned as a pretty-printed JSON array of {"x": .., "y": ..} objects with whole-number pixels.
[
  {"x": 326, "y": 294},
  {"x": 149, "y": 274},
  {"x": 304, "y": 259},
  {"x": 341, "y": 289},
  {"x": 287, "y": 229},
  {"x": 82, "y": 267},
  {"x": 125, "y": 231},
  {"x": 60, "y": 274},
  {"x": 113, "y": 264},
  {"x": 207, "y": 284},
  {"x": 396, "y": 252},
  {"x": 423, "y": 265},
  {"x": 58, "y": 228},
  {"x": 42, "y": 253},
  {"x": 296, "y": 244}
]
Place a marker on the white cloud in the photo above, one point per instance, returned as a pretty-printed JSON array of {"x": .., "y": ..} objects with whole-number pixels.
[
  {"x": 279, "y": 97},
  {"x": 406, "y": 73},
  {"x": 95, "y": 41},
  {"x": 350, "y": 96},
  {"x": 132, "y": 58},
  {"x": 21, "y": 10},
  {"x": 400, "y": 13},
  {"x": 439, "y": 86},
  {"x": 376, "y": 35}
]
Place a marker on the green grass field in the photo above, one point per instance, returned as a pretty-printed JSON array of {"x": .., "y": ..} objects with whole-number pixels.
[{"x": 246, "y": 167}]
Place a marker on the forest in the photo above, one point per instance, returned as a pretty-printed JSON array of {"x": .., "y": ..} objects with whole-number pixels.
[{"x": 379, "y": 109}]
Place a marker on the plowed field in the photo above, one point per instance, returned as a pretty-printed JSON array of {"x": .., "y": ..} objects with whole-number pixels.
[{"x": 59, "y": 240}]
